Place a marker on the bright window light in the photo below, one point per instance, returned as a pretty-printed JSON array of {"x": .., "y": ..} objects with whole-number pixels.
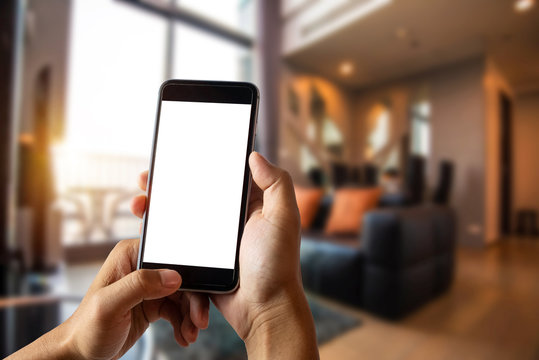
[
  {"x": 199, "y": 55},
  {"x": 524, "y": 5},
  {"x": 116, "y": 66}
]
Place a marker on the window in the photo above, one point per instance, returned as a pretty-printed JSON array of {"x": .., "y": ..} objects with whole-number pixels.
[
  {"x": 198, "y": 55},
  {"x": 420, "y": 128},
  {"x": 119, "y": 56},
  {"x": 235, "y": 14},
  {"x": 378, "y": 123}
]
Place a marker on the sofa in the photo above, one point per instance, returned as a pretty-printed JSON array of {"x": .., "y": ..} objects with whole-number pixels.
[{"x": 403, "y": 258}]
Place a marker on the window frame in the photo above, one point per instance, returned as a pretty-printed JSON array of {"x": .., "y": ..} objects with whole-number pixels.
[{"x": 172, "y": 14}]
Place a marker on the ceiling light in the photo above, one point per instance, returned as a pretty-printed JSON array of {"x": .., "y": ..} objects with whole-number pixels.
[
  {"x": 523, "y": 5},
  {"x": 346, "y": 68},
  {"x": 401, "y": 32}
]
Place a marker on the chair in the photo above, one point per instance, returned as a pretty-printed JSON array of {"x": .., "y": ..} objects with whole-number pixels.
[
  {"x": 413, "y": 186},
  {"x": 316, "y": 176},
  {"x": 370, "y": 175},
  {"x": 339, "y": 174},
  {"x": 445, "y": 183},
  {"x": 355, "y": 177},
  {"x": 414, "y": 180}
]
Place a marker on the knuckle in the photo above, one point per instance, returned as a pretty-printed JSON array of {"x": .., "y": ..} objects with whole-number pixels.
[
  {"x": 99, "y": 307},
  {"x": 121, "y": 246},
  {"x": 286, "y": 178},
  {"x": 125, "y": 246},
  {"x": 281, "y": 178},
  {"x": 286, "y": 183},
  {"x": 142, "y": 280}
]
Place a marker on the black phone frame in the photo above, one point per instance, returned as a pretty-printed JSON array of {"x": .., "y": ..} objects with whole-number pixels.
[{"x": 198, "y": 278}]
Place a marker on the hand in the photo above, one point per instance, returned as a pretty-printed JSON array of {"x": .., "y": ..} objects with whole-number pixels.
[
  {"x": 269, "y": 310},
  {"x": 117, "y": 309}
]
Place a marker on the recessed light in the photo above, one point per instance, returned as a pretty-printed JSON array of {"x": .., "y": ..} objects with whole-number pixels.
[
  {"x": 26, "y": 138},
  {"x": 523, "y": 5},
  {"x": 346, "y": 68},
  {"x": 401, "y": 32}
]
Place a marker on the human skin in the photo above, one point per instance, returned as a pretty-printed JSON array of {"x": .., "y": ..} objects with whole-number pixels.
[
  {"x": 117, "y": 309},
  {"x": 268, "y": 311}
]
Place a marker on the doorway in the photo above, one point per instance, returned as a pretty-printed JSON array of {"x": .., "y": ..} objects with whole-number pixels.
[{"x": 506, "y": 146}]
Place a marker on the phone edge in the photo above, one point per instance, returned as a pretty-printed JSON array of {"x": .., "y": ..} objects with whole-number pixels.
[{"x": 255, "y": 104}]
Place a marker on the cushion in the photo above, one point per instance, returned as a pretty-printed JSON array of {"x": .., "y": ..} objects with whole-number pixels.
[
  {"x": 308, "y": 200},
  {"x": 348, "y": 208}
]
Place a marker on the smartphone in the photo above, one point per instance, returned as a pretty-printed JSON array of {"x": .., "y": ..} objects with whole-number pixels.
[{"x": 199, "y": 182}]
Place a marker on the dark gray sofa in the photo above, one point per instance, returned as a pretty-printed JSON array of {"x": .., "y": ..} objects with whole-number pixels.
[{"x": 403, "y": 258}]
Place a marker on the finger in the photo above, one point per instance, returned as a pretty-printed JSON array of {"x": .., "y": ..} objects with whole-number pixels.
[
  {"x": 255, "y": 199},
  {"x": 138, "y": 205},
  {"x": 279, "y": 198},
  {"x": 121, "y": 261},
  {"x": 124, "y": 294},
  {"x": 170, "y": 312},
  {"x": 143, "y": 180},
  {"x": 199, "y": 307},
  {"x": 183, "y": 303},
  {"x": 188, "y": 330}
]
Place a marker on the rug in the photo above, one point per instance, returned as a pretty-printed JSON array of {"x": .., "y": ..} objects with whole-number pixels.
[{"x": 220, "y": 341}]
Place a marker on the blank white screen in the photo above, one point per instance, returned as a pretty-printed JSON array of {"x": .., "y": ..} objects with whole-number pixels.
[{"x": 197, "y": 184}]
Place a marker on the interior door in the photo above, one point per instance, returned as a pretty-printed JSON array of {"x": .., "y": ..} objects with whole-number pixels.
[{"x": 506, "y": 111}]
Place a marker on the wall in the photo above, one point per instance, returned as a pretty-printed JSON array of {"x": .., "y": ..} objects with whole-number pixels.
[
  {"x": 464, "y": 128},
  {"x": 48, "y": 22},
  {"x": 338, "y": 108},
  {"x": 458, "y": 133},
  {"x": 494, "y": 83},
  {"x": 45, "y": 45},
  {"x": 397, "y": 96},
  {"x": 526, "y": 152}
]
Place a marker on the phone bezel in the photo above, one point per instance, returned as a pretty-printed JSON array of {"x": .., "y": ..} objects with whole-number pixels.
[{"x": 195, "y": 278}]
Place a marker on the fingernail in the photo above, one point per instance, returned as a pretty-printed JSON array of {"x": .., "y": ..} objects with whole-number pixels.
[{"x": 169, "y": 278}]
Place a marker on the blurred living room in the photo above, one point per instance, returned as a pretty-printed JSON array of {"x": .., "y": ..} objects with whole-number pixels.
[{"x": 410, "y": 129}]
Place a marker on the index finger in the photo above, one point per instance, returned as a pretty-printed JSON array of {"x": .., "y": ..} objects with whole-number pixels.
[
  {"x": 121, "y": 261},
  {"x": 143, "y": 180}
]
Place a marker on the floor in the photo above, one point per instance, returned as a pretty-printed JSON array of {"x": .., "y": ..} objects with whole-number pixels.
[{"x": 491, "y": 312}]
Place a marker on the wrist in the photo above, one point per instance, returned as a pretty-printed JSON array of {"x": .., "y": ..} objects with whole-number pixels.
[
  {"x": 56, "y": 344},
  {"x": 67, "y": 348},
  {"x": 284, "y": 329},
  {"x": 59, "y": 343}
]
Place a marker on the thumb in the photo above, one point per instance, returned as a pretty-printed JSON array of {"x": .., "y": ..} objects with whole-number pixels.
[
  {"x": 279, "y": 197},
  {"x": 126, "y": 293}
]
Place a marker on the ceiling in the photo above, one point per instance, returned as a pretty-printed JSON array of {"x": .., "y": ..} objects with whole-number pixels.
[{"x": 433, "y": 33}]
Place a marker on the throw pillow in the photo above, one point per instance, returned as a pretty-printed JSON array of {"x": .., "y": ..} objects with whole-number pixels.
[
  {"x": 349, "y": 206},
  {"x": 308, "y": 200}
]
